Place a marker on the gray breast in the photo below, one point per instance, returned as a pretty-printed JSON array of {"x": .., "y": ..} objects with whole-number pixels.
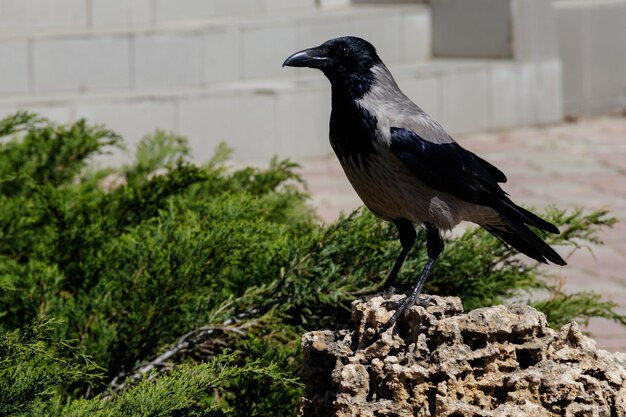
[{"x": 391, "y": 191}]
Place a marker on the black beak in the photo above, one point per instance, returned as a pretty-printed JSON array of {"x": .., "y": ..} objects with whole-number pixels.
[{"x": 313, "y": 58}]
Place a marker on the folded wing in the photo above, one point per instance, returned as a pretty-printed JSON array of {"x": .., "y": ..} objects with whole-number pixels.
[{"x": 450, "y": 168}]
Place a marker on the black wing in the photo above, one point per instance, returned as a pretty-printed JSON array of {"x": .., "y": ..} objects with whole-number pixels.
[{"x": 448, "y": 167}]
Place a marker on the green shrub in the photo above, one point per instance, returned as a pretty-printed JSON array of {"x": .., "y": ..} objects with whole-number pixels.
[{"x": 166, "y": 288}]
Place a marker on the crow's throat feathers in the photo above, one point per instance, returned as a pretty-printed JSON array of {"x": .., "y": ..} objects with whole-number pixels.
[
  {"x": 352, "y": 129},
  {"x": 359, "y": 105}
]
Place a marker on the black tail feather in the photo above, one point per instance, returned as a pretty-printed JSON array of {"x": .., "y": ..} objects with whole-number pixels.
[
  {"x": 511, "y": 210},
  {"x": 520, "y": 237},
  {"x": 514, "y": 231}
]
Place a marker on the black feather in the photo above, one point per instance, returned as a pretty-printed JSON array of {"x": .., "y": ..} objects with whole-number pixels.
[
  {"x": 448, "y": 167},
  {"x": 352, "y": 130},
  {"x": 520, "y": 237},
  {"x": 495, "y": 172},
  {"x": 512, "y": 210}
]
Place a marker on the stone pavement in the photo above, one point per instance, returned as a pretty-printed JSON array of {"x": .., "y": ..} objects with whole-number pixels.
[{"x": 570, "y": 165}]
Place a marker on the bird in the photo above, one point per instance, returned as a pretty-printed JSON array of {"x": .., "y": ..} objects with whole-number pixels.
[{"x": 406, "y": 169}]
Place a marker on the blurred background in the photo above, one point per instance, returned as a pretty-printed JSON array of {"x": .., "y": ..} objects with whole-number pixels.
[
  {"x": 211, "y": 69},
  {"x": 538, "y": 87}
]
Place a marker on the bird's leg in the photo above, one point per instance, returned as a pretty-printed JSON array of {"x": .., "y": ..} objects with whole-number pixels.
[
  {"x": 407, "y": 235},
  {"x": 434, "y": 245}
]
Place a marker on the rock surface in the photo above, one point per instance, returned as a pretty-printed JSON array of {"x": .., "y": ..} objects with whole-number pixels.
[{"x": 437, "y": 361}]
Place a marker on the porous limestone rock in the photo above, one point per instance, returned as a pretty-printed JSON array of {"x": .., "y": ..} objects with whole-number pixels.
[{"x": 492, "y": 362}]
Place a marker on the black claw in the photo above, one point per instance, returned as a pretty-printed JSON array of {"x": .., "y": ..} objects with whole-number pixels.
[
  {"x": 424, "y": 301},
  {"x": 393, "y": 305},
  {"x": 401, "y": 306}
]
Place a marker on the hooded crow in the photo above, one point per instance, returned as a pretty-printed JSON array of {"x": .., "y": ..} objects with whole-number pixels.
[{"x": 406, "y": 168}]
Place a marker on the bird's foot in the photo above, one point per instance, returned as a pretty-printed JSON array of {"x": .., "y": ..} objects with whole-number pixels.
[
  {"x": 393, "y": 304},
  {"x": 401, "y": 306},
  {"x": 424, "y": 301}
]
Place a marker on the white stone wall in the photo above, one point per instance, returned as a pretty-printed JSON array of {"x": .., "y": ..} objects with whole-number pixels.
[
  {"x": 211, "y": 70},
  {"x": 28, "y": 16},
  {"x": 208, "y": 69},
  {"x": 592, "y": 47}
]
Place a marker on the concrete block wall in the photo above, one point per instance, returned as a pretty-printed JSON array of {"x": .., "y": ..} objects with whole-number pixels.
[
  {"x": 588, "y": 37},
  {"x": 211, "y": 70},
  {"x": 32, "y": 16},
  {"x": 518, "y": 29},
  {"x": 14, "y": 67},
  {"x": 503, "y": 93},
  {"x": 87, "y": 63},
  {"x": 481, "y": 31},
  {"x": 196, "y": 55},
  {"x": 534, "y": 32},
  {"x": 592, "y": 48},
  {"x": 289, "y": 117},
  {"x": 25, "y": 15},
  {"x": 212, "y": 78}
]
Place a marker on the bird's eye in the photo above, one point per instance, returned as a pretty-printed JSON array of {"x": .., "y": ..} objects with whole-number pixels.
[{"x": 344, "y": 51}]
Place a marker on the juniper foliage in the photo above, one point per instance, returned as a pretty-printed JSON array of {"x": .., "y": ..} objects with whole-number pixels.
[{"x": 165, "y": 288}]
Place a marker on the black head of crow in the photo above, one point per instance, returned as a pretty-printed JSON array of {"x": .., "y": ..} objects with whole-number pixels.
[
  {"x": 406, "y": 168},
  {"x": 345, "y": 61}
]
